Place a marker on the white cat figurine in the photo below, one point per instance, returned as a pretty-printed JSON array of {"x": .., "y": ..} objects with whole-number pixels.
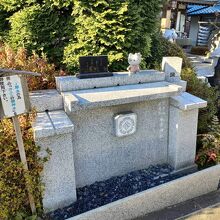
[{"x": 134, "y": 60}]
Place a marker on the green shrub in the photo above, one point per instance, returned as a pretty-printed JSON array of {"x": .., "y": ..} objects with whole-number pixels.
[
  {"x": 59, "y": 3},
  {"x": 15, "y": 5},
  {"x": 200, "y": 50},
  {"x": 41, "y": 29},
  {"x": 13, "y": 194},
  {"x": 202, "y": 90},
  {"x": 114, "y": 28},
  {"x": 208, "y": 146},
  {"x": 160, "y": 48},
  {"x": 21, "y": 61}
]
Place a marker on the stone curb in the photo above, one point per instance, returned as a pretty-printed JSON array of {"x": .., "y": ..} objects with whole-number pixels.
[{"x": 157, "y": 198}]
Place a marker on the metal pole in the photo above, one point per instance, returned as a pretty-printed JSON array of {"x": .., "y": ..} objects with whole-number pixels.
[{"x": 23, "y": 159}]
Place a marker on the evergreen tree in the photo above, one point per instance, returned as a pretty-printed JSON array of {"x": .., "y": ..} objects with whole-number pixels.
[
  {"x": 39, "y": 25},
  {"x": 16, "y": 5},
  {"x": 42, "y": 29},
  {"x": 115, "y": 28}
]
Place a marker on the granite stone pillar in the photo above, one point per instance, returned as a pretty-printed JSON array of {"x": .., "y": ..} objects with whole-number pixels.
[
  {"x": 183, "y": 120},
  {"x": 53, "y": 131}
]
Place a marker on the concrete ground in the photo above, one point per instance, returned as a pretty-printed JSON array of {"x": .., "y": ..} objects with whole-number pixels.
[
  {"x": 206, "y": 207},
  {"x": 211, "y": 213}
]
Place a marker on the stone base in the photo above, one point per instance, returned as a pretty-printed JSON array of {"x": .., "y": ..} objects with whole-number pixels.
[
  {"x": 93, "y": 75},
  {"x": 183, "y": 129},
  {"x": 53, "y": 130}
]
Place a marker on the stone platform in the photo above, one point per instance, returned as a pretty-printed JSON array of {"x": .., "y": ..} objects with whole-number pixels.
[{"x": 79, "y": 127}]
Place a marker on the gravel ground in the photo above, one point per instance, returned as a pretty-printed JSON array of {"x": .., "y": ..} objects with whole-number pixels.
[{"x": 102, "y": 193}]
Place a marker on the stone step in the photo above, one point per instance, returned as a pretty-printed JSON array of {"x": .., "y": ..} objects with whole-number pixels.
[
  {"x": 46, "y": 100},
  {"x": 198, "y": 208},
  {"x": 187, "y": 101},
  {"x": 51, "y": 123},
  {"x": 70, "y": 83}
]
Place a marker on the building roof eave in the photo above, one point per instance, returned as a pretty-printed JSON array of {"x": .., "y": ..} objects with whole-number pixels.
[
  {"x": 199, "y": 2},
  {"x": 198, "y": 10},
  {"x": 210, "y": 3}
]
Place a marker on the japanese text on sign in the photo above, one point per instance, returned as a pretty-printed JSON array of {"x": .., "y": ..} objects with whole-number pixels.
[{"x": 12, "y": 97}]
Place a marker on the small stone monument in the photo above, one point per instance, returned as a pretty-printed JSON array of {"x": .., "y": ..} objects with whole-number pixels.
[{"x": 172, "y": 66}]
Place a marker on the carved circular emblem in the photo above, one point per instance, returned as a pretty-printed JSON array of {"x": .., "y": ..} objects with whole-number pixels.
[{"x": 126, "y": 126}]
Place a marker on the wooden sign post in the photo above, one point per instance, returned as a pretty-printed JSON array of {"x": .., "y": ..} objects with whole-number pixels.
[
  {"x": 14, "y": 102},
  {"x": 23, "y": 159}
]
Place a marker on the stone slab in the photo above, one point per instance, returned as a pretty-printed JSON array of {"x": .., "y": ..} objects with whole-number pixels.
[
  {"x": 43, "y": 100},
  {"x": 183, "y": 84},
  {"x": 162, "y": 196},
  {"x": 61, "y": 122},
  {"x": 42, "y": 126},
  {"x": 172, "y": 65},
  {"x": 94, "y": 98},
  {"x": 69, "y": 83},
  {"x": 211, "y": 213},
  {"x": 186, "y": 101},
  {"x": 52, "y": 123},
  {"x": 204, "y": 69}
]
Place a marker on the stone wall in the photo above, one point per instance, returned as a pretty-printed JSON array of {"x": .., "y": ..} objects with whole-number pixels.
[{"x": 99, "y": 154}]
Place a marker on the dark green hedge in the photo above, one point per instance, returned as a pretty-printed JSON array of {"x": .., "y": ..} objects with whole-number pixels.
[
  {"x": 160, "y": 48},
  {"x": 73, "y": 28},
  {"x": 114, "y": 27},
  {"x": 41, "y": 29},
  {"x": 16, "y": 5}
]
